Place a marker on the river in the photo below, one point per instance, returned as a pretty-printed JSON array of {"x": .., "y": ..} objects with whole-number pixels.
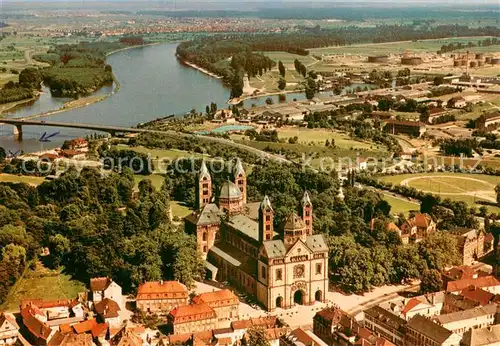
[{"x": 153, "y": 84}]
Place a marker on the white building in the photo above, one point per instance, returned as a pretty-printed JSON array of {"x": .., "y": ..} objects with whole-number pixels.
[
  {"x": 462, "y": 321},
  {"x": 9, "y": 330},
  {"x": 106, "y": 288}
]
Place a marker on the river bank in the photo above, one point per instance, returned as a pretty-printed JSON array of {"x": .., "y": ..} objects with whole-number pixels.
[
  {"x": 201, "y": 69},
  {"x": 4, "y": 108}
]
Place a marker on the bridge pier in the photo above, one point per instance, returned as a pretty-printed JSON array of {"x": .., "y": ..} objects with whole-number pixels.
[{"x": 18, "y": 132}]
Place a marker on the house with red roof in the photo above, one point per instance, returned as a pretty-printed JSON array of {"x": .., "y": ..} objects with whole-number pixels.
[
  {"x": 38, "y": 330},
  {"x": 192, "y": 318},
  {"x": 108, "y": 311},
  {"x": 487, "y": 283},
  {"x": 9, "y": 330},
  {"x": 417, "y": 228},
  {"x": 224, "y": 302},
  {"x": 161, "y": 296}
]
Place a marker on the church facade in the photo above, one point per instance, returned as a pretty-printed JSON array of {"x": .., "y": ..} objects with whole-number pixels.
[{"x": 240, "y": 245}]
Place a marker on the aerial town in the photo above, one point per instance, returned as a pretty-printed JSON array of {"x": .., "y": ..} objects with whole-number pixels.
[{"x": 250, "y": 173}]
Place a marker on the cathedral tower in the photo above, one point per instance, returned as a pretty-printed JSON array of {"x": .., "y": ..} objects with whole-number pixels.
[
  {"x": 240, "y": 179},
  {"x": 306, "y": 213},
  {"x": 204, "y": 186},
  {"x": 266, "y": 216}
]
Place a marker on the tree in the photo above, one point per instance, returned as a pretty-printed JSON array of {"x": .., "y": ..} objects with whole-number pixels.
[
  {"x": 431, "y": 281},
  {"x": 236, "y": 85},
  {"x": 281, "y": 84},
  {"x": 497, "y": 190},
  {"x": 3, "y": 155},
  {"x": 59, "y": 247},
  {"x": 438, "y": 80},
  {"x": 256, "y": 336},
  {"x": 311, "y": 88},
  {"x": 269, "y": 101},
  {"x": 282, "y": 69},
  {"x": 31, "y": 76},
  {"x": 439, "y": 250}
]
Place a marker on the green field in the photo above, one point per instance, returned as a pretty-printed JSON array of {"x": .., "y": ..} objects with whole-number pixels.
[
  {"x": 42, "y": 283},
  {"x": 288, "y": 59},
  {"x": 469, "y": 188},
  {"x": 319, "y": 136},
  {"x": 11, "y": 178},
  {"x": 394, "y": 47},
  {"x": 398, "y": 205}
]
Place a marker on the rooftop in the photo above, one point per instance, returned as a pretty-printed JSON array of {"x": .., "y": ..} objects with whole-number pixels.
[
  {"x": 208, "y": 215},
  {"x": 484, "y": 281},
  {"x": 158, "y": 287},
  {"x": 222, "y": 297},
  {"x": 467, "y": 314},
  {"x": 229, "y": 190},
  {"x": 100, "y": 284},
  {"x": 195, "y": 312},
  {"x": 430, "y": 329},
  {"x": 482, "y": 337}
]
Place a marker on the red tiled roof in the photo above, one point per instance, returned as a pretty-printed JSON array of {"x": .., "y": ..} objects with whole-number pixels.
[
  {"x": 460, "y": 273},
  {"x": 85, "y": 326},
  {"x": 36, "y": 327},
  {"x": 485, "y": 281},
  {"x": 191, "y": 313},
  {"x": 405, "y": 123},
  {"x": 332, "y": 315},
  {"x": 107, "y": 308},
  {"x": 410, "y": 305},
  {"x": 477, "y": 295},
  {"x": 158, "y": 289},
  {"x": 65, "y": 329},
  {"x": 100, "y": 284},
  {"x": 422, "y": 220},
  {"x": 266, "y": 322},
  {"x": 100, "y": 329},
  {"x": 47, "y": 304},
  {"x": 217, "y": 298}
]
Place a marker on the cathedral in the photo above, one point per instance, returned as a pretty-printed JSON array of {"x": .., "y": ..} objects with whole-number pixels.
[{"x": 239, "y": 244}]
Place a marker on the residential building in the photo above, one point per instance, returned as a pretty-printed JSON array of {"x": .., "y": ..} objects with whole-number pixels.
[
  {"x": 61, "y": 339},
  {"x": 126, "y": 337},
  {"x": 461, "y": 321},
  {"x": 280, "y": 271},
  {"x": 471, "y": 244},
  {"x": 55, "y": 312},
  {"x": 489, "y": 336},
  {"x": 301, "y": 337},
  {"x": 34, "y": 321},
  {"x": 461, "y": 273},
  {"x": 488, "y": 121},
  {"x": 456, "y": 102},
  {"x": 426, "y": 305},
  {"x": 326, "y": 323},
  {"x": 78, "y": 143},
  {"x": 192, "y": 318},
  {"x": 240, "y": 327},
  {"x": 410, "y": 128},
  {"x": 385, "y": 324},
  {"x": 161, "y": 296},
  {"x": 417, "y": 228},
  {"x": 105, "y": 287},
  {"x": 488, "y": 283},
  {"x": 224, "y": 302},
  {"x": 108, "y": 311},
  {"x": 454, "y": 302},
  {"x": 9, "y": 330},
  {"x": 421, "y": 331}
]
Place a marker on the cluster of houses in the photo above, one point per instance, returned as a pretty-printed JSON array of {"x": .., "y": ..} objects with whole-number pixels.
[
  {"x": 465, "y": 312},
  {"x": 473, "y": 244},
  {"x": 76, "y": 149}
]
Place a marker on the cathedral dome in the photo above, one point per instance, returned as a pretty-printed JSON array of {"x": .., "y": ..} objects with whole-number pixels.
[{"x": 229, "y": 190}]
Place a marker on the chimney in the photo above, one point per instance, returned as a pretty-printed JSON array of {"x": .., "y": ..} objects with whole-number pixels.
[
  {"x": 433, "y": 298},
  {"x": 161, "y": 282}
]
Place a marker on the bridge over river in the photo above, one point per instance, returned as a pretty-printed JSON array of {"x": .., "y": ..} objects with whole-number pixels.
[{"x": 113, "y": 130}]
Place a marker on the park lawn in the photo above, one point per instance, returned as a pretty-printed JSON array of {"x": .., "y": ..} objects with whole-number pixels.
[
  {"x": 288, "y": 59},
  {"x": 269, "y": 80},
  {"x": 12, "y": 178},
  {"x": 400, "y": 206},
  {"x": 397, "y": 179},
  {"x": 319, "y": 136},
  {"x": 156, "y": 179},
  {"x": 42, "y": 283},
  {"x": 447, "y": 185},
  {"x": 179, "y": 209},
  {"x": 453, "y": 186},
  {"x": 393, "y": 47}
]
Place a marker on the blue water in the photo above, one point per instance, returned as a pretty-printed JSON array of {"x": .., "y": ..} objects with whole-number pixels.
[{"x": 227, "y": 128}]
